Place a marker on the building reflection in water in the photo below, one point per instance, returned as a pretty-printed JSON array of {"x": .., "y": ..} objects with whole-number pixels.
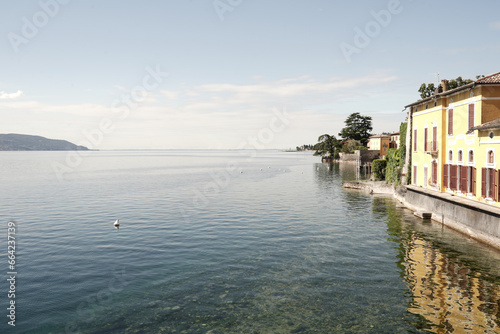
[
  {"x": 448, "y": 294},
  {"x": 454, "y": 283}
]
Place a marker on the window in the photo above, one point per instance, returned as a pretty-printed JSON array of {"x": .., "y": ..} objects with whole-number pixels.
[
  {"x": 460, "y": 156},
  {"x": 468, "y": 179},
  {"x": 471, "y": 116},
  {"x": 450, "y": 156},
  {"x": 471, "y": 156},
  {"x": 488, "y": 184},
  {"x": 454, "y": 177},
  {"x": 491, "y": 157},
  {"x": 446, "y": 175},
  {"x": 471, "y": 180},
  {"x": 426, "y": 133},
  {"x": 415, "y": 175},
  {"x": 450, "y": 121},
  {"x": 434, "y": 175},
  {"x": 426, "y": 180},
  {"x": 434, "y": 138}
]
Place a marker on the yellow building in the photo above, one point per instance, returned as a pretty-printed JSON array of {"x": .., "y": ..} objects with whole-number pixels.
[
  {"x": 447, "y": 293},
  {"x": 455, "y": 140},
  {"x": 379, "y": 143}
]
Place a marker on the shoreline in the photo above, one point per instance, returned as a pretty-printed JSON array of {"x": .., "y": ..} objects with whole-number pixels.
[{"x": 478, "y": 221}]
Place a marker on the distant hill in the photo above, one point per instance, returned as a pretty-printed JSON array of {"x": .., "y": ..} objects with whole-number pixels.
[{"x": 16, "y": 142}]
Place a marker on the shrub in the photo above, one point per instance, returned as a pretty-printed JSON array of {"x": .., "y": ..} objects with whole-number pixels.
[
  {"x": 378, "y": 168},
  {"x": 394, "y": 166}
]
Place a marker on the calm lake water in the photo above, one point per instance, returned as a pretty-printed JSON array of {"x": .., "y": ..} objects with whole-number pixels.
[{"x": 229, "y": 242}]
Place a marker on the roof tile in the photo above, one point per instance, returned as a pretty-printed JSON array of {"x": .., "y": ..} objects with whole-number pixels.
[{"x": 490, "y": 79}]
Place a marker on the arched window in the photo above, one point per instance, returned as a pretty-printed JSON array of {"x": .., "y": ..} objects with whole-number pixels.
[
  {"x": 450, "y": 155},
  {"x": 491, "y": 157},
  {"x": 460, "y": 156},
  {"x": 471, "y": 156}
]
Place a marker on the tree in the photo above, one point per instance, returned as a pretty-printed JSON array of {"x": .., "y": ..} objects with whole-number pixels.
[
  {"x": 428, "y": 90},
  {"x": 455, "y": 83},
  {"x": 351, "y": 146},
  {"x": 357, "y": 127},
  {"x": 326, "y": 144}
]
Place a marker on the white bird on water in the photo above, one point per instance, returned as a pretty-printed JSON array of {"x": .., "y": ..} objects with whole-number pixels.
[{"x": 117, "y": 224}]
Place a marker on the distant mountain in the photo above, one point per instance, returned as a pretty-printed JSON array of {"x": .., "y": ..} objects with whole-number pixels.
[{"x": 16, "y": 142}]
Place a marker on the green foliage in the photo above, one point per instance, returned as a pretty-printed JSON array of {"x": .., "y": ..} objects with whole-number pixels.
[
  {"x": 396, "y": 159},
  {"x": 394, "y": 166},
  {"x": 304, "y": 148},
  {"x": 352, "y": 146},
  {"x": 357, "y": 127},
  {"x": 428, "y": 90},
  {"x": 402, "y": 146},
  {"x": 402, "y": 134},
  {"x": 408, "y": 174},
  {"x": 378, "y": 168},
  {"x": 455, "y": 83},
  {"x": 326, "y": 145},
  {"x": 402, "y": 141}
]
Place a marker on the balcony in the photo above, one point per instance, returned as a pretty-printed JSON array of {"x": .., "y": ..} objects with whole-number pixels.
[{"x": 432, "y": 148}]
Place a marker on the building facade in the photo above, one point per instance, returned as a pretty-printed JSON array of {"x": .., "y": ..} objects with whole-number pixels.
[
  {"x": 394, "y": 143},
  {"x": 455, "y": 141},
  {"x": 379, "y": 143}
]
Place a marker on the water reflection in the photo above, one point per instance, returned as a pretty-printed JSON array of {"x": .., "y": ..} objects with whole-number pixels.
[
  {"x": 337, "y": 173},
  {"x": 449, "y": 294},
  {"x": 450, "y": 289}
]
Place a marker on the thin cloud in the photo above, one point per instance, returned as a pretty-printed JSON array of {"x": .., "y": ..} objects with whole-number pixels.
[
  {"x": 10, "y": 96},
  {"x": 86, "y": 109},
  {"x": 299, "y": 86},
  {"x": 222, "y": 114}
]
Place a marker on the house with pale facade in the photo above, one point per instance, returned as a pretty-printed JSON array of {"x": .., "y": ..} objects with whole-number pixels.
[
  {"x": 394, "y": 142},
  {"x": 455, "y": 140},
  {"x": 379, "y": 143}
]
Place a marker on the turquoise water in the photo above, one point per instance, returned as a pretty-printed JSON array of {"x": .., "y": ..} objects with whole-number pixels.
[{"x": 229, "y": 242}]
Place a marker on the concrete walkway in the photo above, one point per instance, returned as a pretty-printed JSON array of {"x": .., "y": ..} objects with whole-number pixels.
[
  {"x": 477, "y": 220},
  {"x": 474, "y": 219}
]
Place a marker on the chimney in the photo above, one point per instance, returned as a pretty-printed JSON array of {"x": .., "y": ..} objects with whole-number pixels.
[{"x": 445, "y": 85}]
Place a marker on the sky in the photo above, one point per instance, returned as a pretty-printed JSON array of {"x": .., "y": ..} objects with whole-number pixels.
[{"x": 226, "y": 74}]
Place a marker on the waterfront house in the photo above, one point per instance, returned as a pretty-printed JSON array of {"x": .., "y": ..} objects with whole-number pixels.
[
  {"x": 379, "y": 143},
  {"x": 455, "y": 140},
  {"x": 394, "y": 142}
]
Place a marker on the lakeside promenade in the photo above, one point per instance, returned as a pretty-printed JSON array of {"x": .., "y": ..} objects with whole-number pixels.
[{"x": 474, "y": 219}]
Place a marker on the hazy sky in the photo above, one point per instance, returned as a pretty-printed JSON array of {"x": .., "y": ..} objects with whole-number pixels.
[{"x": 229, "y": 73}]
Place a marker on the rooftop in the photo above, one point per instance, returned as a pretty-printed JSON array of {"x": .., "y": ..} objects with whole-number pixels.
[
  {"x": 490, "y": 79},
  {"x": 379, "y": 136},
  {"x": 491, "y": 125}
]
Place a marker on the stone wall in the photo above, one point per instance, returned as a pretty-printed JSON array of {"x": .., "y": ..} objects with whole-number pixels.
[
  {"x": 364, "y": 156},
  {"x": 477, "y": 220},
  {"x": 369, "y": 155}
]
